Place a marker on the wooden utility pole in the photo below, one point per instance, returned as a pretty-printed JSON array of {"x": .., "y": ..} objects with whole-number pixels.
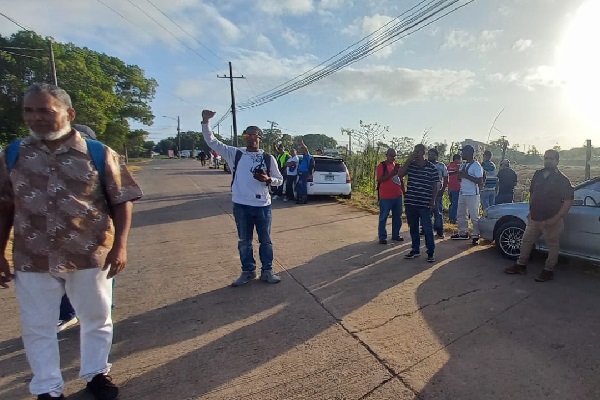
[
  {"x": 52, "y": 64},
  {"x": 231, "y": 78},
  {"x": 588, "y": 158}
]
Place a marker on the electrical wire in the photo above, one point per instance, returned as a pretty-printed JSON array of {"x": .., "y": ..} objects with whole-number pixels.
[
  {"x": 406, "y": 27},
  {"x": 21, "y": 48},
  {"x": 20, "y": 55},
  {"x": 15, "y": 22},
  {"x": 174, "y": 36}
]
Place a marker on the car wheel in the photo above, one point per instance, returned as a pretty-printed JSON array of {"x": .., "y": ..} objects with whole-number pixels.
[
  {"x": 347, "y": 196},
  {"x": 509, "y": 237}
]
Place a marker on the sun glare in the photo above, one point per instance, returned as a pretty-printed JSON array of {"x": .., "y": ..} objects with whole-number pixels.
[{"x": 579, "y": 61}]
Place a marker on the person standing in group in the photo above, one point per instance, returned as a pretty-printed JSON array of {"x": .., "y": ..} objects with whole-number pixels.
[
  {"x": 507, "y": 180},
  {"x": 291, "y": 174},
  {"x": 202, "y": 157},
  {"x": 470, "y": 176},
  {"x": 305, "y": 168},
  {"x": 389, "y": 193},
  {"x": 551, "y": 197},
  {"x": 438, "y": 216},
  {"x": 488, "y": 192},
  {"x": 252, "y": 172},
  {"x": 281, "y": 157},
  {"x": 453, "y": 187},
  {"x": 419, "y": 199},
  {"x": 70, "y": 236}
]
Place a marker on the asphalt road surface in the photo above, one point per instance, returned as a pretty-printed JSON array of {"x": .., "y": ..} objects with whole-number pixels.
[{"x": 351, "y": 319}]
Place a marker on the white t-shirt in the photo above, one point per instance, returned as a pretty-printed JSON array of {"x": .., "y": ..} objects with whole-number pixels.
[
  {"x": 295, "y": 171},
  {"x": 468, "y": 188},
  {"x": 245, "y": 189},
  {"x": 442, "y": 172}
]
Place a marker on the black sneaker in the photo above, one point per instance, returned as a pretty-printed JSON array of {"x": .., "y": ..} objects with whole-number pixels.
[
  {"x": 412, "y": 254},
  {"x": 430, "y": 258},
  {"x": 398, "y": 239},
  {"x": 475, "y": 240},
  {"x": 382, "y": 241},
  {"x": 46, "y": 396},
  {"x": 545, "y": 276},
  {"x": 102, "y": 388},
  {"x": 440, "y": 236},
  {"x": 457, "y": 236}
]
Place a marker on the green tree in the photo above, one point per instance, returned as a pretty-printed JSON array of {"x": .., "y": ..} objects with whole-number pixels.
[
  {"x": 106, "y": 92},
  {"x": 317, "y": 141}
]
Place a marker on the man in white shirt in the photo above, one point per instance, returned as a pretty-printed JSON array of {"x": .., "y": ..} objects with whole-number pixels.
[
  {"x": 252, "y": 171},
  {"x": 291, "y": 175},
  {"x": 470, "y": 176}
]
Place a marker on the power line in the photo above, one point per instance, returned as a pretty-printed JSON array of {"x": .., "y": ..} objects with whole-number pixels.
[
  {"x": 21, "y": 48},
  {"x": 403, "y": 28},
  {"x": 124, "y": 17},
  {"x": 15, "y": 22},
  {"x": 172, "y": 34},
  {"x": 183, "y": 30},
  {"x": 20, "y": 55}
]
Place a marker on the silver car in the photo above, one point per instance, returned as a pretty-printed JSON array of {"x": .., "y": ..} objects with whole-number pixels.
[{"x": 505, "y": 224}]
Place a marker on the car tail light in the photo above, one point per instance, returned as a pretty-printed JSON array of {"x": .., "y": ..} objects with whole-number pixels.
[
  {"x": 348, "y": 180},
  {"x": 309, "y": 179}
]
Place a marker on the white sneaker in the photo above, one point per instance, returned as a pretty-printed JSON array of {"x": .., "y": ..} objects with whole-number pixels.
[
  {"x": 285, "y": 199},
  {"x": 275, "y": 197},
  {"x": 62, "y": 325}
]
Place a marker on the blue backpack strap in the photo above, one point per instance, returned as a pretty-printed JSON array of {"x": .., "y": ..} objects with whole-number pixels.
[
  {"x": 98, "y": 156},
  {"x": 238, "y": 156},
  {"x": 12, "y": 153}
]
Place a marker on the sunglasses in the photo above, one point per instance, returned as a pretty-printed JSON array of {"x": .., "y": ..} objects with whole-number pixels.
[{"x": 253, "y": 135}]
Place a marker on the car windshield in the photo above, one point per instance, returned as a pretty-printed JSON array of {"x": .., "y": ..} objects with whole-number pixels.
[{"x": 325, "y": 165}]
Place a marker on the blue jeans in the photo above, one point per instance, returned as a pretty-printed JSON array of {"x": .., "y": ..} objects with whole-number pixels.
[
  {"x": 488, "y": 198},
  {"x": 413, "y": 216},
  {"x": 504, "y": 198},
  {"x": 246, "y": 218},
  {"x": 67, "y": 311},
  {"x": 452, "y": 213},
  {"x": 385, "y": 206},
  {"x": 302, "y": 187},
  {"x": 438, "y": 219}
]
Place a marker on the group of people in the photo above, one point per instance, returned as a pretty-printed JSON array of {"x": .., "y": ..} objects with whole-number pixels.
[
  {"x": 295, "y": 171},
  {"x": 470, "y": 184}
]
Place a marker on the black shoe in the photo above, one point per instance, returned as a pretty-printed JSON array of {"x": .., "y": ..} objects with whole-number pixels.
[
  {"x": 102, "y": 388},
  {"x": 382, "y": 241},
  {"x": 398, "y": 239},
  {"x": 412, "y": 254},
  {"x": 422, "y": 233},
  {"x": 545, "y": 276},
  {"x": 430, "y": 258},
  {"x": 46, "y": 396},
  {"x": 439, "y": 236}
]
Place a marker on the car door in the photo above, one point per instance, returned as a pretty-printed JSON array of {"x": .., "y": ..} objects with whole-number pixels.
[{"x": 581, "y": 234}]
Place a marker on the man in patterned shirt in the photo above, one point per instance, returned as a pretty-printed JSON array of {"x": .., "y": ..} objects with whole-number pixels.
[{"x": 70, "y": 236}]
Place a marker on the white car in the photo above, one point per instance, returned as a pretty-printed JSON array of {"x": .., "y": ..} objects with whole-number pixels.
[
  {"x": 330, "y": 177},
  {"x": 505, "y": 224}
]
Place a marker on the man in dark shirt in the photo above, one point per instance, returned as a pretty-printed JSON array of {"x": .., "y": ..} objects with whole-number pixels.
[
  {"x": 551, "y": 197},
  {"x": 419, "y": 200},
  {"x": 507, "y": 180}
]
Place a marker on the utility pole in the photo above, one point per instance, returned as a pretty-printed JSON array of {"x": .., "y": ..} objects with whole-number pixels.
[
  {"x": 588, "y": 158},
  {"x": 231, "y": 78},
  {"x": 179, "y": 136},
  {"x": 504, "y": 146},
  {"x": 52, "y": 64},
  {"x": 273, "y": 123}
]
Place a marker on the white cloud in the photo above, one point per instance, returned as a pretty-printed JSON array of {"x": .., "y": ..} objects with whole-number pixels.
[
  {"x": 505, "y": 10},
  {"x": 532, "y": 78},
  {"x": 522, "y": 44},
  {"x": 395, "y": 86},
  {"x": 294, "y": 39},
  {"x": 484, "y": 42},
  {"x": 334, "y": 4},
  {"x": 367, "y": 25},
  {"x": 264, "y": 43},
  {"x": 284, "y": 7}
]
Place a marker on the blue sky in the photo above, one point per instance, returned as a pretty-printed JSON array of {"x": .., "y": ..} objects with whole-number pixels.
[{"x": 534, "y": 58}]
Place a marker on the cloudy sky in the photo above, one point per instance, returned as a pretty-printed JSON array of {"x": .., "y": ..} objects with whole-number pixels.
[{"x": 533, "y": 58}]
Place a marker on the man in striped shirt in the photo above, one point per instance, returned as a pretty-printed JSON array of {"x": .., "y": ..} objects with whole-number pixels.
[{"x": 419, "y": 199}]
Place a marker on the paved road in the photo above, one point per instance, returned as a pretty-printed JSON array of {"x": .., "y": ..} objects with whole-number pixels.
[{"x": 351, "y": 319}]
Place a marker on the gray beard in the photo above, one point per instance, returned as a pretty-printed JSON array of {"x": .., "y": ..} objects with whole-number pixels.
[{"x": 52, "y": 136}]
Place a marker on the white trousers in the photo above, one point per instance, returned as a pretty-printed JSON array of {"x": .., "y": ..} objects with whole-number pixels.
[
  {"x": 468, "y": 206},
  {"x": 39, "y": 296}
]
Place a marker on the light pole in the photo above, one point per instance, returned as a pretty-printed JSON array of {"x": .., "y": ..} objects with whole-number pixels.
[{"x": 178, "y": 133}]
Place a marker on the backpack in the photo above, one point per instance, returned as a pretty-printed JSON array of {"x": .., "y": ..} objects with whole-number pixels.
[
  {"x": 238, "y": 156},
  {"x": 481, "y": 184},
  {"x": 95, "y": 148}
]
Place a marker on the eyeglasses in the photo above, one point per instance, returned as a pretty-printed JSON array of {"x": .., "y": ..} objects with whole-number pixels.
[{"x": 253, "y": 135}]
